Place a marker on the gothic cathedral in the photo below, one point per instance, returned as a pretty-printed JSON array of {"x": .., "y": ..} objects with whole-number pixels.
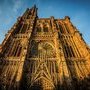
[{"x": 44, "y": 54}]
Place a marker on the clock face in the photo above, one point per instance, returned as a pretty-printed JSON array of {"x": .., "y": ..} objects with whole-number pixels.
[{"x": 43, "y": 48}]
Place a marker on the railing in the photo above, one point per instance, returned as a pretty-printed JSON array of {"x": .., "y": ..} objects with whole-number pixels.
[
  {"x": 37, "y": 58},
  {"x": 21, "y": 35},
  {"x": 9, "y": 61},
  {"x": 76, "y": 59},
  {"x": 43, "y": 33}
]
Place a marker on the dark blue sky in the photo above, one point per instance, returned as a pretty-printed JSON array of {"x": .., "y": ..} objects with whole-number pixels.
[{"x": 77, "y": 10}]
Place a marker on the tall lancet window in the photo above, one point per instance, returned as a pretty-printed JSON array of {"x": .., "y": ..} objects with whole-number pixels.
[
  {"x": 45, "y": 28},
  {"x": 18, "y": 28},
  {"x": 61, "y": 29},
  {"x": 15, "y": 50},
  {"x": 24, "y": 28},
  {"x": 68, "y": 51},
  {"x": 67, "y": 28}
]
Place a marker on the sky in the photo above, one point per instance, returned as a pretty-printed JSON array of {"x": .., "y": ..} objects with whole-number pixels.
[{"x": 77, "y": 10}]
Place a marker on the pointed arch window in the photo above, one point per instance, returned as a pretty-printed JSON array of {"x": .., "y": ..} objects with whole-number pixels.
[
  {"x": 45, "y": 29},
  {"x": 18, "y": 28},
  {"x": 72, "y": 52},
  {"x": 38, "y": 29},
  {"x": 68, "y": 51},
  {"x": 19, "y": 51},
  {"x": 61, "y": 28},
  {"x": 24, "y": 28},
  {"x": 67, "y": 28},
  {"x": 15, "y": 50}
]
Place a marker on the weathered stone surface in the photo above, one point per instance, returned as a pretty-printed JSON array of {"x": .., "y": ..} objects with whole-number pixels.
[{"x": 44, "y": 54}]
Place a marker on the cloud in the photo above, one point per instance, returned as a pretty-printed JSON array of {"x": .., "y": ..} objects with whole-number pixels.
[
  {"x": 10, "y": 6},
  {"x": 17, "y": 5}
]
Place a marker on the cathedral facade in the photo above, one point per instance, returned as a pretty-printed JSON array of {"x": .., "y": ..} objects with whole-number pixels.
[{"x": 44, "y": 54}]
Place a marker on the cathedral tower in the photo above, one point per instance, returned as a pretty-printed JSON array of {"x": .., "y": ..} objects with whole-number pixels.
[{"x": 43, "y": 54}]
